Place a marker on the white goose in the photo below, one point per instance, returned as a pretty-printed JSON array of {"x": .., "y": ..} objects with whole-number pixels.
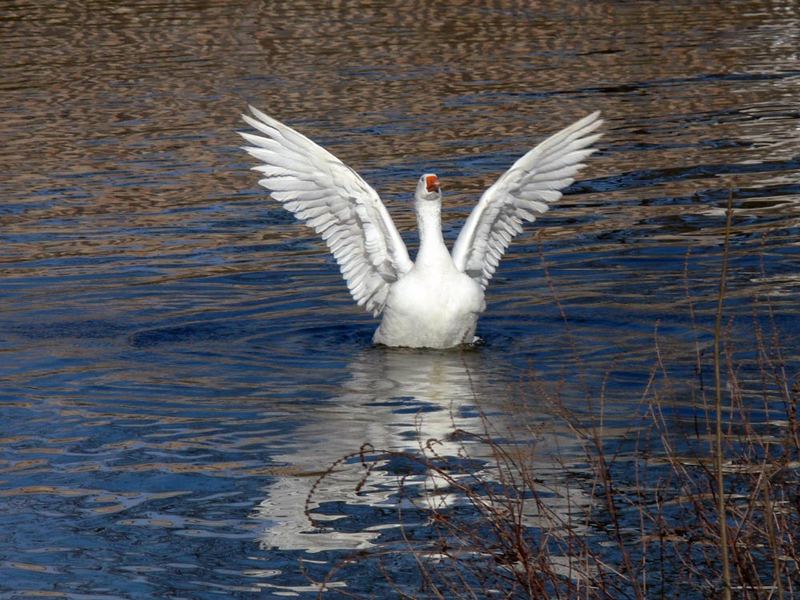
[{"x": 433, "y": 302}]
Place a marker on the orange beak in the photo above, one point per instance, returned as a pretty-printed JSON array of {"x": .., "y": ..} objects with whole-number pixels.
[{"x": 432, "y": 183}]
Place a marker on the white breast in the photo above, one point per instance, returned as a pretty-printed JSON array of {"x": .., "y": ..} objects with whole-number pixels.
[{"x": 431, "y": 307}]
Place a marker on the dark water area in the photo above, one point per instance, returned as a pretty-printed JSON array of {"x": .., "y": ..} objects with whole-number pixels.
[{"x": 180, "y": 359}]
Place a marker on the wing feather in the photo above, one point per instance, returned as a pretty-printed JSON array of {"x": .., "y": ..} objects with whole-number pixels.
[
  {"x": 336, "y": 202},
  {"x": 522, "y": 193}
]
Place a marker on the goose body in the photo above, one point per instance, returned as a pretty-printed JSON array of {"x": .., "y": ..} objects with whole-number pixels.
[
  {"x": 434, "y": 305},
  {"x": 434, "y": 301}
]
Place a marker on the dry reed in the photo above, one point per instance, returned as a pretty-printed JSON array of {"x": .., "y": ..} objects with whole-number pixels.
[{"x": 710, "y": 507}]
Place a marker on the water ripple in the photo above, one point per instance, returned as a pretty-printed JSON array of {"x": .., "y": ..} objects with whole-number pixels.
[{"x": 180, "y": 360}]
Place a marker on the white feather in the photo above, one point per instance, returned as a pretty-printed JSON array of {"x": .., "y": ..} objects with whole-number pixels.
[
  {"x": 522, "y": 192},
  {"x": 330, "y": 197}
]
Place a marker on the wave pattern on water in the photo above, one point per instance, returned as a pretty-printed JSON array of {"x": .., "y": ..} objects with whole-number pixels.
[{"x": 179, "y": 360}]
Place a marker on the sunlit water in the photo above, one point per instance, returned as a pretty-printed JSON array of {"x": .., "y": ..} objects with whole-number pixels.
[{"x": 179, "y": 360}]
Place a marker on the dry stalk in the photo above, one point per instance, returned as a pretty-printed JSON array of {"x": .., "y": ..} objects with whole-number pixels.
[{"x": 718, "y": 452}]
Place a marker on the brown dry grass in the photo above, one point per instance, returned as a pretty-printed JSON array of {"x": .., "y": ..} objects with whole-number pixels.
[{"x": 709, "y": 506}]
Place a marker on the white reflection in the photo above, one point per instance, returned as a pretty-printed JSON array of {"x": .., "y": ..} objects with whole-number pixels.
[{"x": 395, "y": 400}]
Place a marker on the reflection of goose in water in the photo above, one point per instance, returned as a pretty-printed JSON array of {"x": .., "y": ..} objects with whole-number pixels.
[
  {"x": 433, "y": 302},
  {"x": 394, "y": 399}
]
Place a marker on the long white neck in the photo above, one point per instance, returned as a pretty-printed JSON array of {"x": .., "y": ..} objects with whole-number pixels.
[{"x": 432, "y": 250}]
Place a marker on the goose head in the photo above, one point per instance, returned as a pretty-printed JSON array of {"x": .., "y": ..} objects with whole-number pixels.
[{"x": 428, "y": 188}]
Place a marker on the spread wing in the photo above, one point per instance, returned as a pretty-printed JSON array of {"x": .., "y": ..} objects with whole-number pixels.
[
  {"x": 524, "y": 191},
  {"x": 329, "y": 196}
]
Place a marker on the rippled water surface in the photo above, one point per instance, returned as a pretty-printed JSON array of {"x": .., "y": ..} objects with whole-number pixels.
[{"x": 179, "y": 359}]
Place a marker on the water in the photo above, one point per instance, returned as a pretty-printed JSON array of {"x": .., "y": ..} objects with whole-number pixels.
[{"x": 179, "y": 360}]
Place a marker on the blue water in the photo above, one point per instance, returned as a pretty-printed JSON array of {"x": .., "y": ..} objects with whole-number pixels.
[{"x": 180, "y": 360}]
